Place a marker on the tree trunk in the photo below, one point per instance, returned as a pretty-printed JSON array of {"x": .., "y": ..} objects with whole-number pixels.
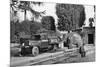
[{"x": 25, "y": 15}]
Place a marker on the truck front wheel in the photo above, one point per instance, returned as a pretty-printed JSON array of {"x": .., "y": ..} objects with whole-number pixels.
[{"x": 35, "y": 51}]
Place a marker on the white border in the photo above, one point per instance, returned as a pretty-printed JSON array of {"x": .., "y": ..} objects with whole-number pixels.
[
  {"x": 5, "y": 32},
  {"x": 87, "y": 2}
]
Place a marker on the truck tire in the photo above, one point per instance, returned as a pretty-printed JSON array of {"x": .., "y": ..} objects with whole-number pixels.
[
  {"x": 35, "y": 51},
  {"x": 23, "y": 53}
]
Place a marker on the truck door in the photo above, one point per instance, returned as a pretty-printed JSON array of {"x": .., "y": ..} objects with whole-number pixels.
[{"x": 44, "y": 41}]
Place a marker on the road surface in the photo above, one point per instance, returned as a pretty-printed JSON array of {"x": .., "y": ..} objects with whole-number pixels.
[{"x": 28, "y": 60}]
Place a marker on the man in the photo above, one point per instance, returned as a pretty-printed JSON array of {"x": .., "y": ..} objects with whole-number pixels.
[{"x": 82, "y": 51}]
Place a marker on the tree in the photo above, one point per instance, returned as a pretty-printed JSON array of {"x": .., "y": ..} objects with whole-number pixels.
[
  {"x": 70, "y": 16},
  {"x": 24, "y": 6},
  {"x": 91, "y": 20},
  {"x": 34, "y": 27},
  {"x": 13, "y": 10},
  {"x": 24, "y": 26},
  {"x": 82, "y": 18},
  {"x": 48, "y": 22}
]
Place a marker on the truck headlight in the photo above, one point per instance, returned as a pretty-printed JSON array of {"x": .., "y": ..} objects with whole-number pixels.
[
  {"x": 23, "y": 44},
  {"x": 29, "y": 43}
]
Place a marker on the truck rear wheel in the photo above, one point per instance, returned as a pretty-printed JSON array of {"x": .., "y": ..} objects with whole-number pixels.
[{"x": 35, "y": 51}]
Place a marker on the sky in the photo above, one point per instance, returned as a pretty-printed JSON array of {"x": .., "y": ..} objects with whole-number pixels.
[
  {"x": 89, "y": 10},
  {"x": 51, "y": 11}
]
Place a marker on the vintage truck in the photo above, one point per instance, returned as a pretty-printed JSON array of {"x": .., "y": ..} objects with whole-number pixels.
[
  {"x": 43, "y": 42},
  {"x": 38, "y": 43}
]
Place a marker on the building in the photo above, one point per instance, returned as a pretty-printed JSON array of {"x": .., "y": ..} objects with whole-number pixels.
[{"x": 89, "y": 35}]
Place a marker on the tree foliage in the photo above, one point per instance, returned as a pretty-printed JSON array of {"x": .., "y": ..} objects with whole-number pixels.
[
  {"x": 26, "y": 26},
  {"x": 24, "y": 6},
  {"x": 48, "y": 23},
  {"x": 34, "y": 27},
  {"x": 70, "y": 16}
]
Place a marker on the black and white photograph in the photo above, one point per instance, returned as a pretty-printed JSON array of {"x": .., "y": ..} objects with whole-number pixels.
[{"x": 46, "y": 33}]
